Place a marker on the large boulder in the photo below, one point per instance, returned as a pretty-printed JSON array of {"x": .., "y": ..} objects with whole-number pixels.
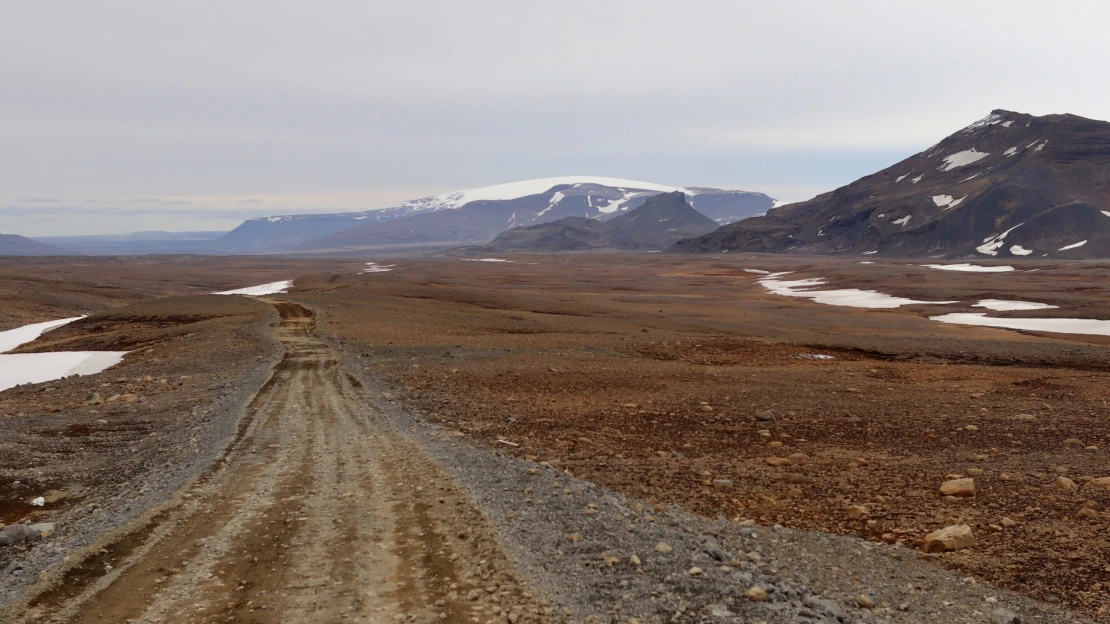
[{"x": 955, "y": 537}]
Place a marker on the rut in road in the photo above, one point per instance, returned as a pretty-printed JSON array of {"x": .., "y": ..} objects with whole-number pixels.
[{"x": 319, "y": 512}]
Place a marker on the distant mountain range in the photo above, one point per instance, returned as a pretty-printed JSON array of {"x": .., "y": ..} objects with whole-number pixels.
[
  {"x": 1010, "y": 185},
  {"x": 135, "y": 243},
  {"x": 16, "y": 245},
  {"x": 662, "y": 220},
  {"x": 477, "y": 215}
]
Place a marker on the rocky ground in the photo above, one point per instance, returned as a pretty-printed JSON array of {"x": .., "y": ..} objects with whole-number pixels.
[
  {"x": 582, "y": 438},
  {"x": 685, "y": 383}
]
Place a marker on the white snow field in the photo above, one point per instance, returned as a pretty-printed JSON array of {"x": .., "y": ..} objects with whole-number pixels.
[
  {"x": 374, "y": 267},
  {"x": 1092, "y": 327},
  {"x": 962, "y": 159},
  {"x": 487, "y": 260},
  {"x": 261, "y": 290},
  {"x": 22, "y": 335},
  {"x": 21, "y": 368},
  {"x": 850, "y": 297},
  {"x": 970, "y": 268},
  {"x": 1003, "y": 305}
]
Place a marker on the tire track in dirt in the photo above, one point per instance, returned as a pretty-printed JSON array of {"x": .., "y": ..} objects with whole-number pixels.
[{"x": 319, "y": 512}]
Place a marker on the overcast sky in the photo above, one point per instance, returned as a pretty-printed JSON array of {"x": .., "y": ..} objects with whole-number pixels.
[{"x": 124, "y": 115}]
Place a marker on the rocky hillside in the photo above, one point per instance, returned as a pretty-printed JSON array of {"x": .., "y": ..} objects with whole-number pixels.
[
  {"x": 16, "y": 245},
  {"x": 478, "y": 215},
  {"x": 1009, "y": 185},
  {"x": 657, "y": 224}
]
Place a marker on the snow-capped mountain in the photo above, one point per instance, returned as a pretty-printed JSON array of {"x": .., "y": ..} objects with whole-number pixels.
[
  {"x": 1009, "y": 185},
  {"x": 480, "y": 214},
  {"x": 661, "y": 221}
]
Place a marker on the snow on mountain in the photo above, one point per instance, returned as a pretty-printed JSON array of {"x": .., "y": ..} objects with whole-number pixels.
[{"x": 524, "y": 188}]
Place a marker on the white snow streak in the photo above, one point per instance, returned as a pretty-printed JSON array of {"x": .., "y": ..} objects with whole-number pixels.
[
  {"x": 962, "y": 159},
  {"x": 486, "y": 260},
  {"x": 992, "y": 243},
  {"x": 849, "y": 297},
  {"x": 1002, "y": 305},
  {"x": 13, "y": 338},
  {"x": 261, "y": 290},
  {"x": 969, "y": 268},
  {"x": 917, "y": 179},
  {"x": 1018, "y": 250},
  {"x": 1010, "y": 152},
  {"x": 903, "y": 221},
  {"x": 942, "y": 200},
  {"x": 1093, "y": 327},
  {"x": 1072, "y": 246},
  {"x": 513, "y": 190}
]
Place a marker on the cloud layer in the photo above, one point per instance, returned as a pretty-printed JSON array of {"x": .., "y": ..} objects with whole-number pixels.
[{"x": 217, "y": 104}]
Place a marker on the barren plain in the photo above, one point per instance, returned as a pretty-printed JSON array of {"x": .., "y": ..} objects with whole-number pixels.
[{"x": 568, "y": 411}]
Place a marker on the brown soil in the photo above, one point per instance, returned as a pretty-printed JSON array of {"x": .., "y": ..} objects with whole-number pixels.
[{"x": 645, "y": 374}]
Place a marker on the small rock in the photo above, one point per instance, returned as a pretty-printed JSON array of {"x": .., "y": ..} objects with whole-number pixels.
[
  {"x": 756, "y": 594},
  {"x": 865, "y": 602},
  {"x": 38, "y": 501},
  {"x": 1002, "y": 615},
  {"x": 634, "y": 560},
  {"x": 695, "y": 571},
  {"x": 574, "y": 537},
  {"x": 17, "y": 533},
  {"x": 1074, "y": 443},
  {"x": 765, "y": 416},
  {"x": 1101, "y": 483},
  {"x": 857, "y": 512},
  {"x": 663, "y": 547},
  {"x": 1066, "y": 484},
  {"x": 1087, "y": 514},
  {"x": 958, "y": 487},
  {"x": 722, "y": 484},
  {"x": 1008, "y": 522},
  {"x": 950, "y": 538},
  {"x": 777, "y": 461}
]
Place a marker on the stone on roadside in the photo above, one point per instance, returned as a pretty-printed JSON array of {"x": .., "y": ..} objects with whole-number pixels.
[
  {"x": 1008, "y": 522},
  {"x": 958, "y": 487},
  {"x": 865, "y": 602},
  {"x": 17, "y": 534},
  {"x": 777, "y": 461},
  {"x": 663, "y": 547},
  {"x": 1002, "y": 615},
  {"x": 1066, "y": 484},
  {"x": 756, "y": 594},
  {"x": 695, "y": 571},
  {"x": 722, "y": 484},
  {"x": 857, "y": 512},
  {"x": 765, "y": 416},
  {"x": 1087, "y": 514},
  {"x": 955, "y": 537}
]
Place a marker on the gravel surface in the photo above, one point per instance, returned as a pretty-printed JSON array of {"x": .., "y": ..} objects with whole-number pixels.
[{"x": 575, "y": 541}]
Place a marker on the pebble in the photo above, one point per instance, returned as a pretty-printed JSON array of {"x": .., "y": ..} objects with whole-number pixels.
[
  {"x": 756, "y": 594},
  {"x": 663, "y": 547}
]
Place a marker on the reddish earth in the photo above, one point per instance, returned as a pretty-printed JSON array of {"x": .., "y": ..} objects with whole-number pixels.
[{"x": 645, "y": 374}]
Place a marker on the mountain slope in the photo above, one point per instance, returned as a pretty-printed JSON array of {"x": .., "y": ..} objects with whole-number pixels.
[
  {"x": 657, "y": 224},
  {"x": 1008, "y": 185},
  {"x": 16, "y": 245},
  {"x": 478, "y": 215}
]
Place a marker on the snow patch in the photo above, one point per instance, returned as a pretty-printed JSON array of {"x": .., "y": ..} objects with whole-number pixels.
[
  {"x": 757, "y": 271},
  {"x": 1002, "y": 305},
  {"x": 486, "y": 260},
  {"x": 1010, "y": 152},
  {"x": 261, "y": 290},
  {"x": 1072, "y": 246},
  {"x": 903, "y": 221},
  {"x": 902, "y": 177},
  {"x": 1041, "y": 146},
  {"x": 21, "y": 368},
  {"x": 1092, "y": 327},
  {"x": 868, "y": 253},
  {"x": 956, "y": 202},
  {"x": 13, "y": 338},
  {"x": 969, "y": 268},
  {"x": 1018, "y": 250},
  {"x": 1007, "y": 124},
  {"x": 1105, "y": 212},
  {"x": 917, "y": 179},
  {"x": 942, "y": 200},
  {"x": 962, "y": 159},
  {"x": 373, "y": 267},
  {"x": 989, "y": 120},
  {"x": 849, "y": 297},
  {"x": 991, "y": 244}
]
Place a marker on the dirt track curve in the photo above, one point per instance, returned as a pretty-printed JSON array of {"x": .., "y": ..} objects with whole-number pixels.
[{"x": 319, "y": 512}]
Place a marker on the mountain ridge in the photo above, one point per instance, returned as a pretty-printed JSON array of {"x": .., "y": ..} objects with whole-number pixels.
[{"x": 1009, "y": 185}]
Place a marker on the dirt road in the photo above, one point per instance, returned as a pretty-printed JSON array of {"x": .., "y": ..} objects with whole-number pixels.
[{"x": 319, "y": 512}]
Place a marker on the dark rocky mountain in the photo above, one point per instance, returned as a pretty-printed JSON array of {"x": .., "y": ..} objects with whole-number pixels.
[
  {"x": 477, "y": 215},
  {"x": 1009, "y": 185},
  {"x": 16, "y": 245},
  {"x": 656, "y": 225}
]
